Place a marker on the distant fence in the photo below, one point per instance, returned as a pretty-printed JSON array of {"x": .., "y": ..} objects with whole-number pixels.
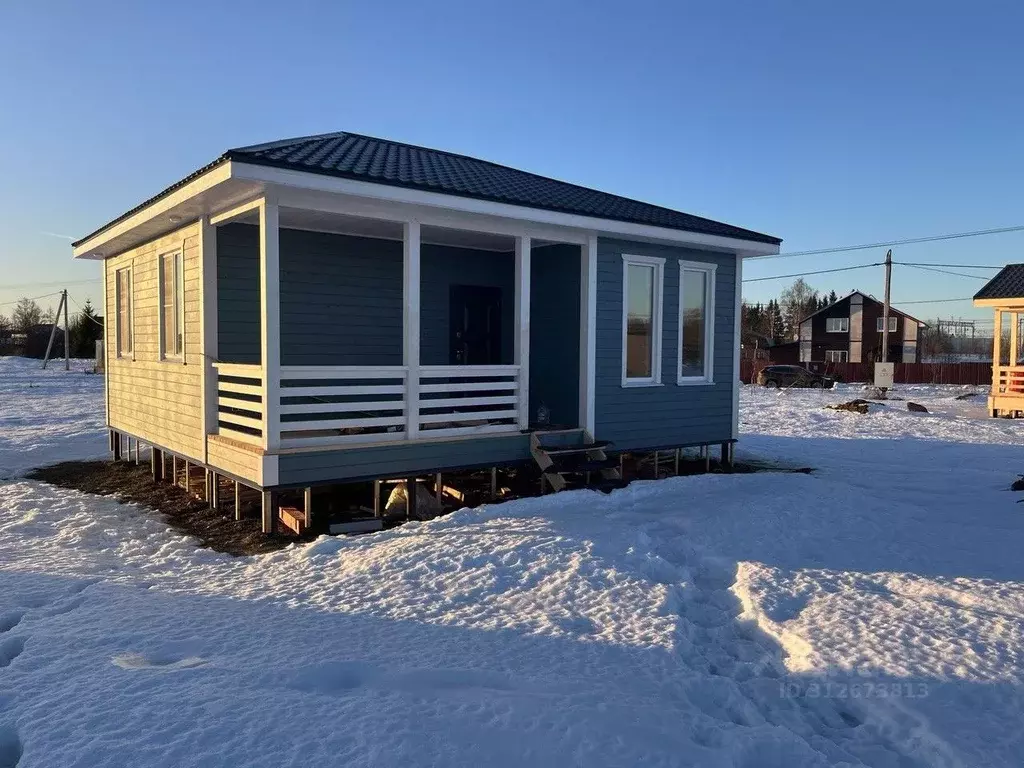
[{"x": 979, "y": 374}]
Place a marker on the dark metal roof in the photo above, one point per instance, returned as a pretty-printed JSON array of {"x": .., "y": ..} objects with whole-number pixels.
[
  {"x": 1008, "y": 284},
  {"x": 381, "y": 161},
  {"x": 867, "y": 297}
]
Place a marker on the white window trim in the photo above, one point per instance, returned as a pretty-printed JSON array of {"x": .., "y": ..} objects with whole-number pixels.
[
  {"x": 179, "y": 306},
  {"x": 893, "y": 321},
  {"x": 841, "y": 330},
  {"x": 711, "y": 272},
  {"x": 130, "y": 353},
  {"x": 659, "y": 304}
]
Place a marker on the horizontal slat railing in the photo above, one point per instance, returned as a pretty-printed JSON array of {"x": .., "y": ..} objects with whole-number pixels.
[
  {"x": 1011, "y": 379},
  {"x": 462, "y": 400},
  {"x": 240, "y": 401},
  {"x": 342, "y": 405}
]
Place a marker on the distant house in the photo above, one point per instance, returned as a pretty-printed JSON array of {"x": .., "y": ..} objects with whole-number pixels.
[
  {"x": 850, "y": 331},
  {"x": 1004, "y": 293}
]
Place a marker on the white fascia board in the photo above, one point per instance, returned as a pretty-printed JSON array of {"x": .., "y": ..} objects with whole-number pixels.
[
  {"x": 320, "y": 182},
  {"x": 213, "y": 177}
]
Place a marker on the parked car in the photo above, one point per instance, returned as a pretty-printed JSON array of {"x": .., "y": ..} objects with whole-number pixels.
[{"x": 792, "y": 376}]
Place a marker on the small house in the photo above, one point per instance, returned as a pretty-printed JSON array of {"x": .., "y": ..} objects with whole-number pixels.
[
  {"x": 850, "y": 331},
  {"x": 341, "y": 308},
  {"x": 1004, "y": 294}
]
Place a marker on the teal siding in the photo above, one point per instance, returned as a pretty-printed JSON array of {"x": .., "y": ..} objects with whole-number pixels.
[
  {"x": 238, "y": 293},
  {"x": 341, "y": 297},
  {"x": 441, "y": 267},
  {"x": 400, "y": 460},
  {"x": 555, "y": 333},
  {"x": 668, "y": 415}
]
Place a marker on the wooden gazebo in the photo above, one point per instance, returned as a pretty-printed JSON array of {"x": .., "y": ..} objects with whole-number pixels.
[{"x": 1004, "y": 293}]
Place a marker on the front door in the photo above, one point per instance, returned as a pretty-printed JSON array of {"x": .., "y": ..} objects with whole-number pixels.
[{"x": 475, "y": 321}]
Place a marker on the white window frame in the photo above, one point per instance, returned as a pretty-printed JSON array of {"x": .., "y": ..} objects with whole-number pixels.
[
  {"x": 893, "y": 323},
  {"x": 658, "y": 264},
  {"x": 710, "y": 272},
  {"x": 844, "y": 324},
  {"x": 844, "y": 355},
  {"x": 179, "y": 304},
  {"x": 129, "y": 353}
]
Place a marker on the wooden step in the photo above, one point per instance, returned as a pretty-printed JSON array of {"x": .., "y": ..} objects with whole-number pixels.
[
  {"x": 293, "y": 519},
  {"x": 580, "y": 463},
  {"x": 596, "y": 446}
]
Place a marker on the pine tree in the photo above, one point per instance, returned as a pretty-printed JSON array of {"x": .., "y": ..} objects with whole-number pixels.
[{"x": 86, "y": 330}]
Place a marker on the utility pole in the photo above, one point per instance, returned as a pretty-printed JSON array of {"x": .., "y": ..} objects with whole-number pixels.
[
  {"x": 885, "y": 310},
  {"x": 67, "y": 336},
  {"x": 53, "y": 331}
]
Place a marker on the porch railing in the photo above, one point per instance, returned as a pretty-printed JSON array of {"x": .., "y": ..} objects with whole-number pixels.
[
  {"x": 459, "y": 400},
  {"x": 1010, "y": 380},
  {"x": 352, "y": 405},
  {"x": 240, "y": 401}
]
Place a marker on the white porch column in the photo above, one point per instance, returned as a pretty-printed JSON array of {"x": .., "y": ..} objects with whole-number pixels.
[
  {"x": 522, "y": 349},
  {"x": 588, "y": 332},
  {"x": 270, "y": 327},
  {"x": 1014, "y": 323},
  {"x": 208, "y": 328},
  {"x": 996, "y": 339},
  {"x": 411, "y": 326}
]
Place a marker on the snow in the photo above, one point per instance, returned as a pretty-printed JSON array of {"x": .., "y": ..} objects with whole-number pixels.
[{"x": 870, "y": 613}]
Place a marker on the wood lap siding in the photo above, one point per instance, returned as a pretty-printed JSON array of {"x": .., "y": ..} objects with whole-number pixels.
[
  {"x": 666, "y": 415},
  {"x": 157, "y": 401}
]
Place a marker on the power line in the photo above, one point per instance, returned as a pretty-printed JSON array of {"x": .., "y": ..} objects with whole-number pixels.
[
  {"x": 34, "y": 298},
  {"x": 50, "y": 285},
  {"x": 82, "y": 309},
  {"x": 955, "y": 266},
  {"x": 815, "y": 272},
  {"x": 943, "y": 271},
  {"x": 905, "y": 241}
]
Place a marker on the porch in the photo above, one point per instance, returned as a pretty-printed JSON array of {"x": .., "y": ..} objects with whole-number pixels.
[{"x": 337, "y": 332}]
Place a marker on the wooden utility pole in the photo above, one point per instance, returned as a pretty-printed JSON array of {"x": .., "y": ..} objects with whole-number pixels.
[
  {"x": 67, "y": 351},
  {"x": 53, "y": 331},
  {"x": 885, "y": 310}
]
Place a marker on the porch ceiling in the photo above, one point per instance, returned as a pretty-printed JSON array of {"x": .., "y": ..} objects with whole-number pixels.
[{"x": 323, "y": 221}]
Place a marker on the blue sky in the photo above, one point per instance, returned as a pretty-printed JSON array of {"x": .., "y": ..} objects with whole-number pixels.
[{"x": 824, "y": 123}]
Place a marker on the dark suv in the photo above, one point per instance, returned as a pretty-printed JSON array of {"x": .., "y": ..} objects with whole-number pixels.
[{"x": 792, "y": 376}]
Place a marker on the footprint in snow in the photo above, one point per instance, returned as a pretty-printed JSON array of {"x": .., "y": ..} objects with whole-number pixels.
[
  {"x": 10, "y": 747},
  {"x": 10, "y": 649},
  {"x": 138, "y": 661},
  {"x": 10, "y": 620}
]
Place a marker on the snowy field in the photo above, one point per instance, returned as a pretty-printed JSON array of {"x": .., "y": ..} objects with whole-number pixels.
[{"x": 868, "y": 614}]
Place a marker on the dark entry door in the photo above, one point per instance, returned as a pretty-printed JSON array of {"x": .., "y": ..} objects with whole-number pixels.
[{"x": 475, "y": 325}]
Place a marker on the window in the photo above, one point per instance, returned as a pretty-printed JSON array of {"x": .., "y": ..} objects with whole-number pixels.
[
  {"x": 642, "y": 291},
  {"x": 172, "y": 334},
  {"x": 837, "y": 325},
  {"x": 837, "y": 356},
  {"x": 123, "y": 302},
  {"x": 696, "y": 322},
  {"x": 892, "y": 324}
]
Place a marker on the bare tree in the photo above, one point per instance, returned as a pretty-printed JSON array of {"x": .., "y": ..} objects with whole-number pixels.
[
  {"x": 26, "y": 315},
  {"x": 796, "y": 302}
]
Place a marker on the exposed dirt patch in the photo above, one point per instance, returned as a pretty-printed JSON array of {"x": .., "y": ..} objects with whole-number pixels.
[{"x": 184, "y": 512}]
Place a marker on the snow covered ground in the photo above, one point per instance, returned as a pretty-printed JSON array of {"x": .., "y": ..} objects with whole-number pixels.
[{"x": 868, "y": 614}]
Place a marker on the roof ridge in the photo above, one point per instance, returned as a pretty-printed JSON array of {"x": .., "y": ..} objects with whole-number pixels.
[
  {"x": 284, "y": 142},
  {"x": 492, "y": 163}
]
